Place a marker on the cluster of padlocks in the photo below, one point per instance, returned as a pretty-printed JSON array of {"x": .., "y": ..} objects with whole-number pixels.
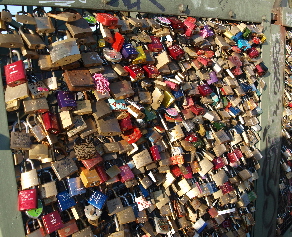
[
  {"x": 284, "y": 209},
  {"x": 146, "y": 126}
]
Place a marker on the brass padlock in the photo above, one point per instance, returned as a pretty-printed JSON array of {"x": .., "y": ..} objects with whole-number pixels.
[
  {"x": 32, "y": 40},
  {"x": 44, "y": 24},
  {"x": 35, "y": 105},
  {"x": 64, "y": 168},
  {"x": 90, "y": 178},
  {"x": 79, "y": 28},
  {"x": 25, "y": 18},
  {"x": 48, "y": 189},
  {"x": 9, "y": 40}
]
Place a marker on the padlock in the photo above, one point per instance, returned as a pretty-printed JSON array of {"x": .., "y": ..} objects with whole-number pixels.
[
  {"x": 44, "y": 24},
  {"x": 25, "y": 18},
  {"x": 64, "y": 52},
  {"x": 65, "y": 16},
  {"x": 66, "y": 100},
  {"x": 37, "y": 130},
  {"x": 84, "y": 148},
  {"x": 65, "y": 201},
  {"x": 112, "y": 55},
  {"x": 107, "y": 20},
  {"x": 106, "y": 34},
  {"x": 90, "y": 178},
  {"x": 28, "y": 178},
  {"x": 15, "y": 72},
  {"x": 35, "y": 105},
  {"x": 48, "y": 189},
  {"x": 37, "y": 232},
  {"x": 70, "y": 227},
  {"x": 52, "y": 222},
  {"x": 64, "y": 168},
  {"x": 32, "y": 40},
  {"x": 11, "y": 40},
  {"x": 79, "y": 28},
  {"x": 20, "y": 140},
  {"x": 51, "y": 122},
  {"x": 27, "y": 199}
]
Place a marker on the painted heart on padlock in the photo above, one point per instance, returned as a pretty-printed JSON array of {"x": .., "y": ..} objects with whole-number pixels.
[
  {"x": 112, "y": 55},
  {"x": 172, "y": 112},
  {"x": 142, "y": 203}
]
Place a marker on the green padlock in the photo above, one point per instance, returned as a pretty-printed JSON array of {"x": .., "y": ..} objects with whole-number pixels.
[{"x": 35, "y": 213}]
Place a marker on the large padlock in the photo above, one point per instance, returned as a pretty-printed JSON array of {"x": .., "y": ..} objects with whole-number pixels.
[
  {"x": 27, "y": 199},
  {"x": 64, "y": 52},
  {"x": 15, "y": 72},
  {"x": 28, "y": 178},
  {"x": 20, "y": 140},
  {"x": 79, "y": 28},
  {"x": 44, "y": 23},
  {"x": 37, "y": 130},
  {"x": 13, "y": 40},
  {"x": 32, "y": 39},
  {"x": 48, "y": 189},
  {"x": 79, "y": 79},
  {"x": 25, "y": 18}
]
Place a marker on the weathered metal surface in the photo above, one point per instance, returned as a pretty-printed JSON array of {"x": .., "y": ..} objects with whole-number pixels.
[
  {"x": 285, "y": 16},
  {"x": 270, "y": 144},
  {"x": 245, "y": 10},
  {"x": 11, "y": 221}
]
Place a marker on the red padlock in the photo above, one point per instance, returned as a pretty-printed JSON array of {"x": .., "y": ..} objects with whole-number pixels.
[
  {"x": 15, "y": 72},
  {"x": 175, "y": 51},
  {"x": 197, "y": 109},
  {"x": 135, "y": 71},
  {"x": 253, "y": 52},
  {"x": 155, "y": 153},
  {"x": 107, "y": 20},
  {"x": 132, "y": 135},
  {"x": 52, "y": 222},
  {"x": 226, "y": 187},
  {"x": 51, "y": 122},
  {"x": 238, "y": 153},
  {"x": 189, "y": 175},
  {"x": 260, "y": 69},
  {"x": 232, "y": 157},
  {"x": 204, "y": 89},
  {"x": 151, "y": 71},
  {"x": 190, "y": 25},
  {"x": 177, "y": 160},
  {"x": 101, "y": 173},
  {"x": 175, "y": 170},
  {"x": 176, "y": 23},
  {"x": 155, "y": 45},
  {"x": 173, "y": 86},
  {"x": 126, "y": 123},
  {"x": 118, "y": 42},
  {"x": 191, "y": 138},
  {"x": 27, "y": 199},
  {"x": 218, "y": 163},
  {"x": 91, "y": 163},
  {"x": 204, "y": 60},
  {"x": 126, "y": 173}
]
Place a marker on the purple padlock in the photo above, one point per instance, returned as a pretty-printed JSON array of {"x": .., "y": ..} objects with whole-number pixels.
[
  {"x": 66, "y": 100},
  {"x": 213, "y": 78},
  {"x": 129, "y": 52},
  {"x": 206, "y": 32}
]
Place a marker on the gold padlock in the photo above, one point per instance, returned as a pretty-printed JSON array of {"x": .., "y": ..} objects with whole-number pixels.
[
  {"x": 90, "y": 178},
  {"x": 37, "y": 130}
]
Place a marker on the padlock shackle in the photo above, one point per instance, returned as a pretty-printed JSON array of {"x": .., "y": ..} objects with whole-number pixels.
[
  {"x": 33, "y": 221},
  {"x": 21, "y": 121},
  {"x": 28, "y": 118},
  {"x": 23, "y": 167}
]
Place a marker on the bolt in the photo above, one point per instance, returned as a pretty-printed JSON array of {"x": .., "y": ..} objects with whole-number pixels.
[
  {"x": 182, "y": 8},
  {"x": 231, "y": 13}
]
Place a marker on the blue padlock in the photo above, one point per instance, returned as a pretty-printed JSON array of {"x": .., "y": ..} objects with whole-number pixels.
[
  {"x": 76, "y": 186},
  {"x": 98, "y": 199},
  {"x": 237, "y": 37},
  {"x": 177, "y": 94},
  {"x": 144, "y": 191},
  {"x": 239, "y": 128},
  {"x": 129, "y": 51},
  {"x": 234, "y": 110},
  {"x": 243, "y": 44},
  {"x": 65, "y": 201},
  {"x": 245, "y": 87}
]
